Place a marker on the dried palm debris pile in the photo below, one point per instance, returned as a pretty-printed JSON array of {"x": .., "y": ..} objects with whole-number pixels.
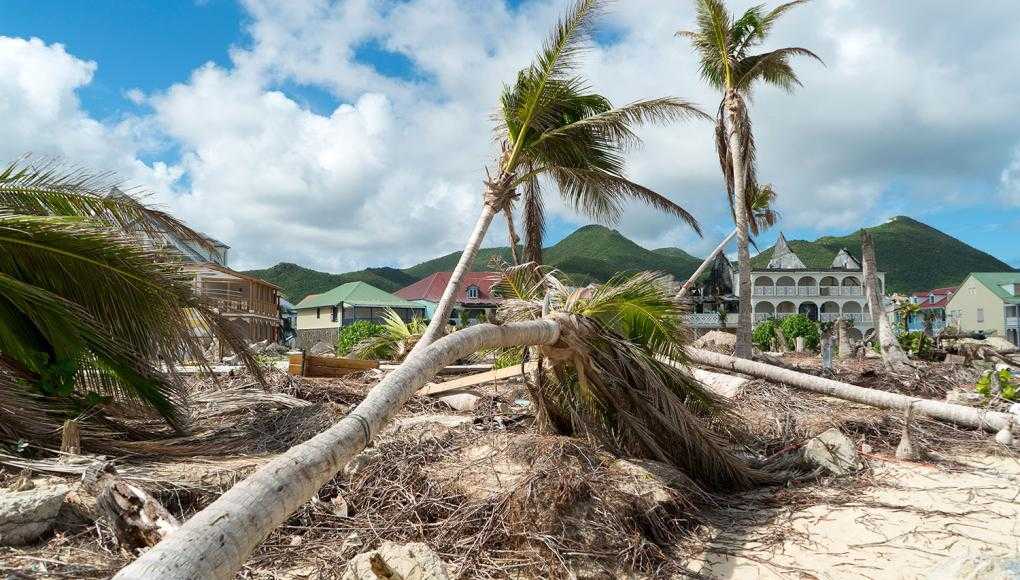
[{"x": 482, "y": 490}]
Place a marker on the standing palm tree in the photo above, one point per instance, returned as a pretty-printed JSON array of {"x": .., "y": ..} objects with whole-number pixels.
[
  {"x": 764, "y": 216},
  {"x": 88, "y": 315},
  {"x": 722, "y": 45},
  {"x": 552, "y": 126}
]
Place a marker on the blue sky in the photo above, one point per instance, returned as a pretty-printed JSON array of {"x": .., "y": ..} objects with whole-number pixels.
[{"x": 315, "y": 61}]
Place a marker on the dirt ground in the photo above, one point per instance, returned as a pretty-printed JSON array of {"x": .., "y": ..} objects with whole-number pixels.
[{"x": 559, "y": 508}]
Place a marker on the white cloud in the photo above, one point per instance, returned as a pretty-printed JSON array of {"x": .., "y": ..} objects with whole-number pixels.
[
  {"x": 1009, "y": 180},
  {"x": 911, "y": 102}
]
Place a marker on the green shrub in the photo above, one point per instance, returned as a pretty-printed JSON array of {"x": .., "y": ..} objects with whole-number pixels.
[
  {"x": 355, "y": 333},
  {"x": 800, "y": 325},
  {"x": 916, "y": 342},
  {"x": 508, "y": 357},
  {"x": 1009, "y": 388},
  {"x": 763, "y": 334}
]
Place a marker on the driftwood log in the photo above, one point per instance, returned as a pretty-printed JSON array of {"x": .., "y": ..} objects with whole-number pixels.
[{"x": 958, "y": 414}]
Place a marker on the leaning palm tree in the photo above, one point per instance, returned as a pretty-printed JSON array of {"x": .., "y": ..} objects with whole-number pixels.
[
  {"x": 616, "y": 375},
  {"x": 763, "y": 217},
  {"x": 552, "y": 126},
  {"x": 723, "y": 45},
  {"x": 90, "y": 318}
]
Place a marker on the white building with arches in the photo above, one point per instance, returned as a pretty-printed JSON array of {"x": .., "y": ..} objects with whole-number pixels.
[{"x": 786, "y": 286}]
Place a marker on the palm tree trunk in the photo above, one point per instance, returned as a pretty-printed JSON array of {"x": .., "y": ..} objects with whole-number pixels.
[
  {"x": 437, "y": 326},
  {"x": 215, "y": 542},
  {"x": 704, "y": 265},
  {"x": 733, "y": 112},
  {"x": 508, "y": 215},
  {"x": 893, "y": 356},
  {"x": 957, "y": 414}
]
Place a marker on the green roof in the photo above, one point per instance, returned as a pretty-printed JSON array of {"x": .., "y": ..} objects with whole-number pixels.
[
  {"x": 356, "y": 294},
  {"x": 994, "y": 281}
]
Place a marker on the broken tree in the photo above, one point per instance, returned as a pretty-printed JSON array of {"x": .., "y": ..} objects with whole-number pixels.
[{"x": 892, "y": 354}]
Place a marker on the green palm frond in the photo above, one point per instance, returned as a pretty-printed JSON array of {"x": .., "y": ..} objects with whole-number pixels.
[
  {"x": 554, "y": 126},
  {"x": 394, "y": 342},
  {"x": 88, "y": 312},
  {"x": 762, "y": 209}
]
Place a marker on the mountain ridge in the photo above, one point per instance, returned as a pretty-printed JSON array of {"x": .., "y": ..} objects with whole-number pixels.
[{"x": 914, "y": 255}]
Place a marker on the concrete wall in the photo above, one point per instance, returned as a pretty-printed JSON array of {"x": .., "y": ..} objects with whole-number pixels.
[
  {"x": 963, "y": 308},
  {"x": 306, "y": 319},
  {"x": 305, "y": 339}
]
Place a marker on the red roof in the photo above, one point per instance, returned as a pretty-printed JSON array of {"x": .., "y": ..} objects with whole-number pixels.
[
  {"x": 942, "y": 296},
  {"x": 431, "y": 288}
]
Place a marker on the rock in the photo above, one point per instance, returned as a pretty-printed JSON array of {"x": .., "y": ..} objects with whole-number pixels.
[
  {"x": 461, "y": 401},
  {"x": 833, "y": 451},
  {"x": 414, "y": 561},
  {"x": 26, "y": 515},
  {"x": 977, "y": 568},
  {"x": 955, "y": 359},
  {"x": 322, "y": 349},
  {"x": 1015, "y": 408},
  {"x": 716, "y": 338}
]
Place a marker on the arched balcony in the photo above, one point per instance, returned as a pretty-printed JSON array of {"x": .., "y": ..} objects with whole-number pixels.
[
  {"x": 853, "y": 312},
  {"x": 785, "y": 309},
  {"x": 764, "y": 286},
  {"x": 828, "y": 286},
  {"x": 763, "y": 311},
  {"x": 809, "y": 309},
  {"x": 829, "y": 312},
  {"x": 807, "y": 286},
  {"x": 851, "y": 286},
  {"x": 786, "y": 286}
]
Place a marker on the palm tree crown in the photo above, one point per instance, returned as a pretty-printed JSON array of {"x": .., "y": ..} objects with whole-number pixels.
[
  {"x": 552, "y": 125},
  {"x": 723, "y": 46}
]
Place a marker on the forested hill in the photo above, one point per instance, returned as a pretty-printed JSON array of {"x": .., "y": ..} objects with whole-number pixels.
[{"x": 915, "y": 256}]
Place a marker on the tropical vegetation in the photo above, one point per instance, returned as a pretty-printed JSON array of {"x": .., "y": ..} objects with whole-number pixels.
[
  {"x": 91, "y": 318},
  {"x": 391, "y": 340},
  {"x": 723, "y": 45},
  {"x": 551, "y": 126}
]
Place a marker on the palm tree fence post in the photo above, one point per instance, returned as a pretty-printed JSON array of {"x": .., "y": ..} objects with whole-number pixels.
[
  {"x": 973, "y": 417},
  {"x": 893, "y": 356},
  {"x": 843, "y": 334},
  {"x": 704, "y": 265},
  {"x": 215, "y": 542}
]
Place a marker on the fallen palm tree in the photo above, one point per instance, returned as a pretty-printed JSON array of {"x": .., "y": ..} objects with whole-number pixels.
[
  {"x": 972, "y": 417},
  {"x": 605, "y": 382}
]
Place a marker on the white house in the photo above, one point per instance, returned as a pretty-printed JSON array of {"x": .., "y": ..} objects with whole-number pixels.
[{"x": 787, "y": 286}]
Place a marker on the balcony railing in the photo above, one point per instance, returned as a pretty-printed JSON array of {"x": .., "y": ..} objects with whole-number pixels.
[
  {"x": 807, "y": 291},
  {"x": 858, "y": 318},
  {"x": 1013, "y": 321}
]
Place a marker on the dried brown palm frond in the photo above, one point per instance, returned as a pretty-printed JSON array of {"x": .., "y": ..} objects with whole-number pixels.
[{"x": 613, "y": 377}]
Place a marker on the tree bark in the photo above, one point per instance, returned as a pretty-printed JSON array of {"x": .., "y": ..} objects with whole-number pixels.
[
  {"x": 437, "y": 326},
  {"x": 733, "y": 112},
  {"x": 958, "y": 414},
  {"x": 893, "y": 356},
  {"x": 704, "y": 265},
  {"x": 215, "y": 542},
  {"x": 508, "y": 215},
  {"x": 843, "y": 334}
]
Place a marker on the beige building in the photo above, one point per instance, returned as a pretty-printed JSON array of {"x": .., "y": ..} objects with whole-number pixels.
[
  {"x": 987, "y": 302},
  {"x": 321, "y": 316}
]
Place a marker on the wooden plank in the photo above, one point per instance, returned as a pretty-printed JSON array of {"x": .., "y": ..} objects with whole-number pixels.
[
  {"x": 320, "y": 371},
  {"x": 450, "y": 370},
  {"x": 329, "y": 361},
  {"x": 473, "y": 380}
]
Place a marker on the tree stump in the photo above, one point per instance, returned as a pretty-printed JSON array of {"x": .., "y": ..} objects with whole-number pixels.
[
  {"x": 139, "y": 521},
  {"x": 70, "y": 440}
]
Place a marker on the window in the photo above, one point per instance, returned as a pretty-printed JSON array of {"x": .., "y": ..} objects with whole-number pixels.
[
  {"x": 472, "y": 291},
  {"x": 332, "y": 315},
  {"x": 980, "y": 314},
  {"x": 318, "y": 312}
]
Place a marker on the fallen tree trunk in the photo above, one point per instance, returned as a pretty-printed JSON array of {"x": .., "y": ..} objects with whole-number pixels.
[
  {"x": 215, "y": 542},
  {"x": 704, "y": 265},
  {"x": 957, "y": 414}
]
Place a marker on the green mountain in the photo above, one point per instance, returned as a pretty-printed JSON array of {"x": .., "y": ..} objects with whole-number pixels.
[
  {"x": 298, "y": 282},
  {"x": 914, "y": 256},
  {"x": 592, "y": 253}
]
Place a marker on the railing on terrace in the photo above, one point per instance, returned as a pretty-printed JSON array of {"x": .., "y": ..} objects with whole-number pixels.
[
  {"x": 807, "y": 291},
  {"x": 858, "y": 318},
  {"x": 1013, "y": 321},
  {"x": 709, "y": 319}
]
